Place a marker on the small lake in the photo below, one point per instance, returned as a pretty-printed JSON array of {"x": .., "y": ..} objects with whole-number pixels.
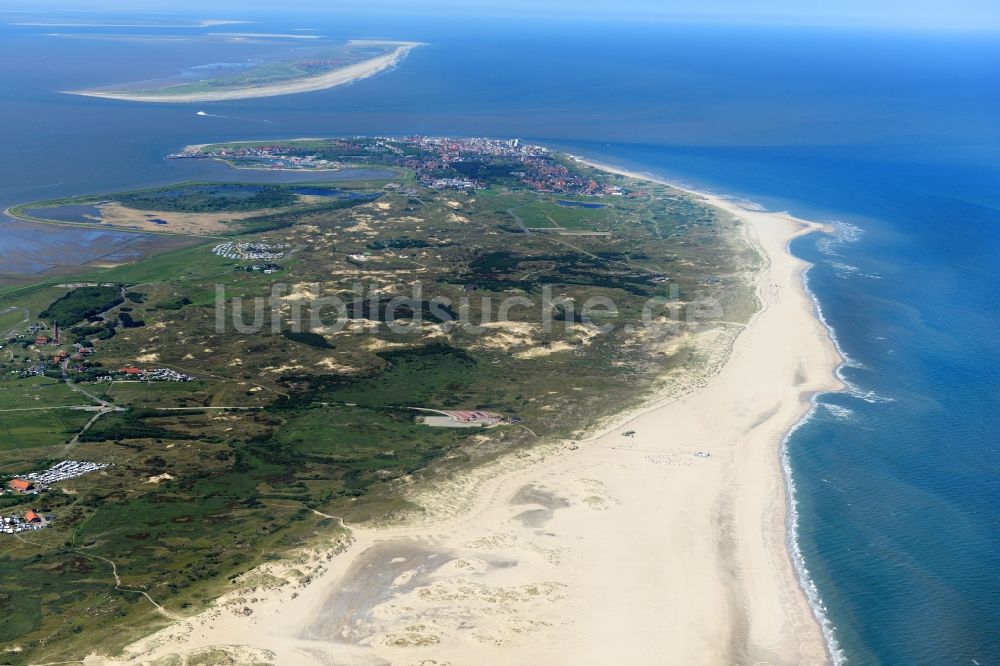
[
  {"x": 580, "y": 204},
  {"x": 324, "y": 192},
  {"x": 28, "y": 248},
  {"x": 68, "y": 213}
]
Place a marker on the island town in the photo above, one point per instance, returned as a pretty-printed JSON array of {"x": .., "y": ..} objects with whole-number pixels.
[{"x": 439, "y": 163}]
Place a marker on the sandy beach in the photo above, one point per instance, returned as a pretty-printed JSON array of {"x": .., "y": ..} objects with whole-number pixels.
[
  {"x": 610, "y": 550},
  {"x": 339, "y": 77}
]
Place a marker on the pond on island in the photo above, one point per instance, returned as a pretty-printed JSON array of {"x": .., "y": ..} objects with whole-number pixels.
[
  {"x": 66, "y": 213},
  {"x": 580, "y": 204}
]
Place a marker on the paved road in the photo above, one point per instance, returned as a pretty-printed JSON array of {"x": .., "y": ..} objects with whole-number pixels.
[
  {"x": 103, "y": 407},
  {"x": 79, "y": 389}
]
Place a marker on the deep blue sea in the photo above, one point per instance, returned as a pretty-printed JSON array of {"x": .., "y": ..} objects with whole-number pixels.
[{"x": 893, "y": 135}]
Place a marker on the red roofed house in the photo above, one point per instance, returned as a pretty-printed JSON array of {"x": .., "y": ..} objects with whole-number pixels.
[
  {"x": 21, "y": 486},
  {"x": 41, "y": 340},
  {"x": 32, "y": 517},
  {"x": 131, "y": 371}
]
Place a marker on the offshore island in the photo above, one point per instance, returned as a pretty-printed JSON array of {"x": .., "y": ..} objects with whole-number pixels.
[
  {"x": 358, "y": 59},
  {"x": 504, "y": 493}
]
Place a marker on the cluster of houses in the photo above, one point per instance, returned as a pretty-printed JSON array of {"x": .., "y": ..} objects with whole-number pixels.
[
  {"x": 429, "y": 157},
  {"x": 35, "y": 370},
  {"x": 14, "y": 523},
  {"x": 38, "y": 337},
  {"x": 454, "y": 149},
  {"x": 262, "y": 157},
  {"x": 537, "y": 169},
  {"x": 145, "y": 375},
  {"x": 265, "y": 160},
  {"x": 405, "y": 191},
  {"x": 451, "y": 184},
  {"x": 35, "y": 482},
  {"x": 40, "y": 367},
  {"x": 254, "y": 251},
  {"x": 36, "y": 329},
  {"x": 80, "y": 354}
]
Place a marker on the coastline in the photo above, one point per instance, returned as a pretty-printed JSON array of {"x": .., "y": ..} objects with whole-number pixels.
[
  {"x": 339, "y": 77},
  {"x": 195, "y": 147},
  {"x": 708, "y": 573},
  {"x": 12, "y": 213},
  {"x": 837, "y": 383}
]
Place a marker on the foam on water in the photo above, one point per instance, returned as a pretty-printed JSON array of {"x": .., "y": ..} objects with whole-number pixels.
[
  {"x": 841, "y": 266},
  {"x": 843, "y": 233},
  {"x": 838, "y": 411},
  {"x": 847, "y": 360},
  {"x": 869, "y": 396},
  {"x": 837, "y": 655}
]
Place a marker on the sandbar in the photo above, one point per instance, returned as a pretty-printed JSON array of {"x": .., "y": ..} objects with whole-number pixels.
[{"x": 338, "y": 77}]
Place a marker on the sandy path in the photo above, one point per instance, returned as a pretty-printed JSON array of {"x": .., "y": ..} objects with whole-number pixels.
[{"x": 629, "y": 550}]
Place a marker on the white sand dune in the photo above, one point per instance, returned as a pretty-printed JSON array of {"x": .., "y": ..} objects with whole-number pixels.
[{"x": 617, "y": 550}]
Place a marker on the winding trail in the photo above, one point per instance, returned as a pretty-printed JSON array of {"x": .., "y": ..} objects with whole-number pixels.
[{"x": 114, "y": 572}]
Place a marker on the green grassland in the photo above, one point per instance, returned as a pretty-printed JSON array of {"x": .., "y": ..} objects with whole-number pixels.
[
  {"x": 266, "y": 73},
  {"x": 178, "y": 266},
  {"x": 177, "y": 540},
  {"x": 34, "y": 298},
  {"x": 10, "y": 319},
  {"x": 307, "y": 144},
  {"x": 37, "y": 391},
  {"x": 542, "y": 213},
  {"x": 39, "y": 428},
  {"x": 275, "y": 203},
  {"x": 285, "y": 421},
  {"x": 35, "y": 412}
]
